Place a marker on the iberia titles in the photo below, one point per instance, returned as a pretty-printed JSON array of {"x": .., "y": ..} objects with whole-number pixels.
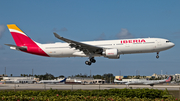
[{"x": 133, "y": 41}]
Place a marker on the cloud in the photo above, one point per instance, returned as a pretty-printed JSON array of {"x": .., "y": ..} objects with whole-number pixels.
[
  {"x": 124, "y": 34},
  {"x": 61, "y": 30},
  {"x": 64, "y": 29},
  {"x": 176, "y": 35},
  {"x": 101, "y": 37},
  {"x": 2, "y": 30},
  {"x": 1, "y": 47}
]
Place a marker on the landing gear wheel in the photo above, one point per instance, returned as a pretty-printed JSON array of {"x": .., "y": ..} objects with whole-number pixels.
[
  {"x": 87, "y": 63},
  {"x": 157, "y": 55},
  {"x": 92, "y": 60},
  {"x": 151, "y": 85}
]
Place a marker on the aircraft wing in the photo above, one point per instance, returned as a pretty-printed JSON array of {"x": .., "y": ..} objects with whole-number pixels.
[{"x": 86, "y": 48}]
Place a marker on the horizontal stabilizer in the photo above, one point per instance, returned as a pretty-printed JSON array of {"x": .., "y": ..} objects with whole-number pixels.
[{"x": 23, "y": 48}]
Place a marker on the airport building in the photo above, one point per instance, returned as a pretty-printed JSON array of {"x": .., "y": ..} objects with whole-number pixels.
[
  {"x": 1, "y": 76},
  {"x": 69, "y": 80},
  {"x": 176, "y": 77},
  {"x": 30, "y": 79}
]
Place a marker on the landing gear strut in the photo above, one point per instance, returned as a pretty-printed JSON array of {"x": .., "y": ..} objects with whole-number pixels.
[
  {"x": 157, "y": 56},
  {"x": 91, "y": 60}
]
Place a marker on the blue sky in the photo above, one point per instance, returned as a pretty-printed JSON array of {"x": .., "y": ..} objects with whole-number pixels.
[{"x": 83, "y": 20}]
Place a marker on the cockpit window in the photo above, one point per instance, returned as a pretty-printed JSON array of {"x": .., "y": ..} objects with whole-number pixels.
[{"x": 168, "y": 41}]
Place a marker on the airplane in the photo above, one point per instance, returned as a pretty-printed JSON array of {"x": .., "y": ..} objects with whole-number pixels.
[
  {"x": 150, "y": 82},
  {"x": 53, "y": 81},
  {"x": 111, "y": 49}
]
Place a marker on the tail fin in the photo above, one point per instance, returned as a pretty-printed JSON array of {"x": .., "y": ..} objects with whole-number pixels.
[
  {"x": 23, "y": 42},
  {"x": 64, "y": 80},
  {"x": 20, "y": 38},
  {"x": 170, "y": 78}
]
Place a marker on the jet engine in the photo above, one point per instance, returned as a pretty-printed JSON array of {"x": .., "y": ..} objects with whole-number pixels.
[{"x": 111, "y": 53}]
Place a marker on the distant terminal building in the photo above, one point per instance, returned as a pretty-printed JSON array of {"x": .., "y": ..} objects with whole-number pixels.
[
  {"x": 17, "y": 79},
  {"x": 1, "y": 76},
  {"x": 119, "y": 77},
  {"x": 176, "y": 77}
]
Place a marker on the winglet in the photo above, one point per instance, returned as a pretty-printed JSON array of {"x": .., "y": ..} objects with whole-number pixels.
[
  {"x": 56, "y": 35},
  {"x": 62, "y": 38}
]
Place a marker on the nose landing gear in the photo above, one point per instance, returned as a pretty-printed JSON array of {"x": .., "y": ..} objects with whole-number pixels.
[{"x": 157, "y": 56}]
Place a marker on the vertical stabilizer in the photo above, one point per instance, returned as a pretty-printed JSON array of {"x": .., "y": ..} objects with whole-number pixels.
[
  {"x": 169, "y": 79},
  {"x": 23, "y": 42},
  {"x": 20, "y": 38}
]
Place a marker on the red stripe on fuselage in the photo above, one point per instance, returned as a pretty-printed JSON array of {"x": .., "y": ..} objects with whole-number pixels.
[{"x": 32, "y": 47}]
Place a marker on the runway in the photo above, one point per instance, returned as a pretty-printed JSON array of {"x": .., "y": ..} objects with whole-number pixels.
[{"x": 83, "y": 87}]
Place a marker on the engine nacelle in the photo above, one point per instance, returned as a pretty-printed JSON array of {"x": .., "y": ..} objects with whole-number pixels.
[{"x": 111, "y": 53}]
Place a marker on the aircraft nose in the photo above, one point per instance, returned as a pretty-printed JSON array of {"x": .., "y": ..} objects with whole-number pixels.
[
  {"x": 173, "y": 45},
  {"x": 169, "y": 45}
]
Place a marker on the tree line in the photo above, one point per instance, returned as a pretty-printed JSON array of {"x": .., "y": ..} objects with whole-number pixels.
[{"x": 47, "y": 76}]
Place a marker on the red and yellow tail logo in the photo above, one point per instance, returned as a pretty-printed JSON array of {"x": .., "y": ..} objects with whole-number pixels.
[
  {"x": 21, "y": 39},
  {"x": 14, "y": 28}
]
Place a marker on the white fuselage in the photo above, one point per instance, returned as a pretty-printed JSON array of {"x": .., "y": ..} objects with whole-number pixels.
[
  {"x": 111, "y": 49},
  {"x": 124, "y": 46},
  {"x": 148, "y": 82}
]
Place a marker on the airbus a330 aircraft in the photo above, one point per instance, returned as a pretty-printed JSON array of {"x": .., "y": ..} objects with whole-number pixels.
[
  {"x": 150, "y": 82},
  {"x": 111, "y": 49},
  {"x": 53, "y": 81}
]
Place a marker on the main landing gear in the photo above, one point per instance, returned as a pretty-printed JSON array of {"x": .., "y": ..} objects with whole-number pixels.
[
  {"x": 91, "y": 60},
  {"x": 157, "y": 56}
]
